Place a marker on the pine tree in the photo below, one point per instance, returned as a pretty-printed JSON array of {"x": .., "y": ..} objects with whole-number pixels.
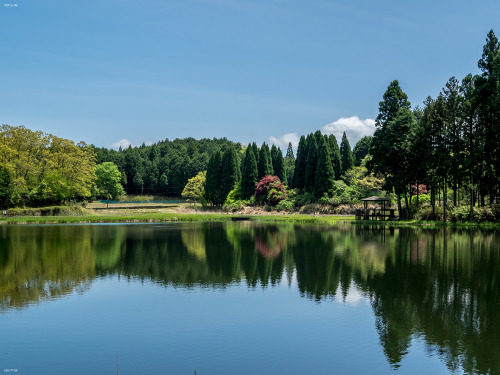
[
  {"x": 279, "y": 169},
  {"x": 274, "y": 155},
  {"x": 346, "y": 154},
  {"x": 213, "y": 185},
  {"x": 324, "y": 180},
  {"x": 311, "y": 163},
  {"x": 300, "y": 164},
  {"x": 250, "y": 175},
  {"x": 336, "y": 160},
  {"x": 264, "y": 164},
  {"x": 290, "y": 164},
  {"x": 230, "y": 171}
]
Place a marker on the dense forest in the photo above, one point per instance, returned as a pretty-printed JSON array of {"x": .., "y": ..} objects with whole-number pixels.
[{"x": 445, "y": 154}]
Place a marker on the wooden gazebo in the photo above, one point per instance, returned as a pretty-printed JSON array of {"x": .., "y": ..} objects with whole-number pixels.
[{"x": 383, "y": 213}]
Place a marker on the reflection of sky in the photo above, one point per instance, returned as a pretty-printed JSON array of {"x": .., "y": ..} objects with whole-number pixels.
[{"x": 216, "y": 331}]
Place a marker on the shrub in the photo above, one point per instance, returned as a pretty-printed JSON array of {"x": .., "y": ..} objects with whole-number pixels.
[
  {"x": 270, "y": 190},
  {"x": 285, "y": 205}
]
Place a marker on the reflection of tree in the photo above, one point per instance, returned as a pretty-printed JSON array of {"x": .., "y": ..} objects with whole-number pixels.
[
  {"x": 35, "y": 267},
  {"x": 435, "y": 285},
  {"x": 445, "y": 298}
]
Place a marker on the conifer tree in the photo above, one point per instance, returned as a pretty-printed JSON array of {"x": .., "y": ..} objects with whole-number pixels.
[
  {"x": 290, "y": 164},
  {"x": 230, "y": 171},
  {"x": 264, "y": 164},
  {"x": 346, "y": 154},
  {"x": 213, "y": 185},
  {"x": 274, "y": 155},
  {"x": 324, "y": 180},
  {"x": 336, "y": 160},
  {"x": 311, "y": 162},
  {"x": 279, "y": 169},
  {"x": 300, "y": 164},
  {"x": 250, "y": 175}
]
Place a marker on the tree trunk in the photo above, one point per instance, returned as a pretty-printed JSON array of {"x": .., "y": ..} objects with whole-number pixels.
[
  {"x": 399, "y": 205},
  {"x": 407, "y": 208},
  {"x": 444, "y": 201}
]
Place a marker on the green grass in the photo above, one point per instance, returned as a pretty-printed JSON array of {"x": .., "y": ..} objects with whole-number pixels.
[{"x": 203, "y": 217}]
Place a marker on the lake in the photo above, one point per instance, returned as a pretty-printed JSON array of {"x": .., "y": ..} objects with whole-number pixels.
[{"x": 248, "y": 298}]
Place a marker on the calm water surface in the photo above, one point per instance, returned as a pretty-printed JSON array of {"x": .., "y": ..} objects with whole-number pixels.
[{"x": 241, "y": 298}]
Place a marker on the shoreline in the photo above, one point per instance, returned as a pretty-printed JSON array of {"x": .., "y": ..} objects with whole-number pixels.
[{"x": 223, "y": 217}]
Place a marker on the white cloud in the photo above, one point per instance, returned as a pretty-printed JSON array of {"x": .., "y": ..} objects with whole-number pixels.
[
  {"x": 354, "y": 127},
  {"x": 282, "y": 142},
  {"x": 123, "y": 143}
]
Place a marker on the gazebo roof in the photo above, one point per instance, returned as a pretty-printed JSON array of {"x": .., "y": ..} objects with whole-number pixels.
[{"x": 375, "y": 199}]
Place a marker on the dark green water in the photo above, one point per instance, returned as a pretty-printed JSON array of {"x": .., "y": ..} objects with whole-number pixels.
[{"x": 241, "y": 298}]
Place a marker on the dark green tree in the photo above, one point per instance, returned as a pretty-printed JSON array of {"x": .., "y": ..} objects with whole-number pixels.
[
  {"x": 300, "y": 164},
  {"x": 324, "y": 180},
  {"x": 361, "y": 149},
  {"x": 346, "y": 154},
  {"x": 390, "y": 143},
  {"x": 230, "y": 171},
  {"x": 250, "y": 175},
  {"x": 213, "y": 184},
  {"x": 265, "y": 164},
  {"x": 279, "y": 166},
  {"x": 335, "y": 153},
  {"x": 311, "y": 163},
  {"x": 290, "y": 164}
]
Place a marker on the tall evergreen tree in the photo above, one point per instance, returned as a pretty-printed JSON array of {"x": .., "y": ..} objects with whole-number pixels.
[
  {"x": 300, "y": 164},
  {"x": 213, "y": 184},
  {"x": 230, "y": 171},
  {"x": 290, "y": 164},
  {"x": 336, "y": 160},
  {"x": 324, "y": 179},
  {"x": 256, "y": 153},
  {"x": 311, "y": 162},
  {"x": 279, "y": 166},
  {"x": 346, "y": 154},
  {"x": 250, "y": 175},
  {"x": 390, "y": 144},
  {"x": 264, "y": 164},
  {"x": 488, "y": 92}
]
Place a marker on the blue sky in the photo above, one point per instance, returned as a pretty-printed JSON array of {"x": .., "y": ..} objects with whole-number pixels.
[{"x": 102, "y": 71}]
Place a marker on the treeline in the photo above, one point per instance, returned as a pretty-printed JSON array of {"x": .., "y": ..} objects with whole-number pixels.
[
  {"x": 451, "y": 145},
  {"x": 38, "y": 168},
  {"x": 164, "y": 167}
]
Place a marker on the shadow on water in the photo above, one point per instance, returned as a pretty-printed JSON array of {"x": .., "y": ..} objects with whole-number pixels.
[{"x": 439, "y": 286}]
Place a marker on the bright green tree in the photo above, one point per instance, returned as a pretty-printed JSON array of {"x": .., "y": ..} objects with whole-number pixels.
[
  {"x": 6, "y": 188},
  {"x": 108, "y": 180},
  {"x": 194, "y": 187}
]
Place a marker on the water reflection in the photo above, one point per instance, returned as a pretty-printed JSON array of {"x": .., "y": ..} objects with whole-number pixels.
[{"x": 439, "y": 286}]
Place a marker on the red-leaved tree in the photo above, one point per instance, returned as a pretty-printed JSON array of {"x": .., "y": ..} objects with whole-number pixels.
[{"x": 270, "y": 190}]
